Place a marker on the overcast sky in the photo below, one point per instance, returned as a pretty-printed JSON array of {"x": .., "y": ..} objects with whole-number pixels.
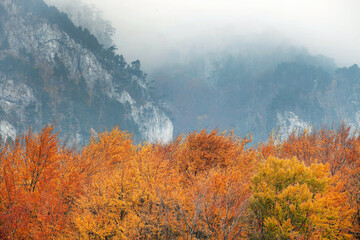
[{"x": 151, "y": 29}]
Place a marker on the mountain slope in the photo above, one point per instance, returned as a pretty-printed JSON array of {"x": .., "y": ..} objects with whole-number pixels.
[
  {"x": 52, "y": 70},
  {"x": 281, "y": 89}
]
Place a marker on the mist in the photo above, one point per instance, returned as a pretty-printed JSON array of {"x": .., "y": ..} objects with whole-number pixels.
[{"x": 154, "y": 31}]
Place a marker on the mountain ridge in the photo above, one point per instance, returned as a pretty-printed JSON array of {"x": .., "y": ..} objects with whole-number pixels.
[{"x": 282, "y": 90}]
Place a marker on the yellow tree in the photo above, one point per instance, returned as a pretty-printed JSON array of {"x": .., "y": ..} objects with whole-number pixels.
[
  {"x": 109, "y": 180},
  {"x": 339, "y": 148},
  {"x": 293, "y": 201}
]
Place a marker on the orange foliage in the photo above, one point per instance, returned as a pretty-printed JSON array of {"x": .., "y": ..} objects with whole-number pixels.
[
  {"x": 338, "y": 148},
  {"x": 201, "y": 151},
  {"x": 36, "y": 188},
  {"x": 209, "y": 188},
  {"x": 195, "y": 187}
]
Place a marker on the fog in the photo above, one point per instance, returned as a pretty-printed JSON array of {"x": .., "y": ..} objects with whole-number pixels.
[{"x": 153, "y": 30}]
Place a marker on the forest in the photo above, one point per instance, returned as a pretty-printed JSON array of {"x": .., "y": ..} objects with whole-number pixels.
[{"x": 202, "y": 185}]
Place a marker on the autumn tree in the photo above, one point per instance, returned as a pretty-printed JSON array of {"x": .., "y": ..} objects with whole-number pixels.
[
  {"x": 337, "y": 147},
  {"x": 294, "y": 201},
  {"x": 37, "y": 190},
  {"x": 212, "y": 173},
  {"x": 106, "y": 173}
]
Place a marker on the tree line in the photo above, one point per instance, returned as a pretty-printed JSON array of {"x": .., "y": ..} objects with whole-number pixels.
[{"x": 203, "y": 185}]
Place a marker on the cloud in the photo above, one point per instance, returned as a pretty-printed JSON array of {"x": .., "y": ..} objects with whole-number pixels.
[{"x": 150, "y": 30}]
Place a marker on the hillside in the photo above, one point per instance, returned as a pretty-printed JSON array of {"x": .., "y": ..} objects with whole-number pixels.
[
  {"x": 257, "y": 90},
  {"x": 52, "y": 70}
]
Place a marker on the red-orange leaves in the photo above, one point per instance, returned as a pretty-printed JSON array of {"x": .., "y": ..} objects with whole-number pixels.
[
  {"x": 201, "y": 151},
  {"x": 31, "y": 179},
  {"x": 209, "y": 186}
]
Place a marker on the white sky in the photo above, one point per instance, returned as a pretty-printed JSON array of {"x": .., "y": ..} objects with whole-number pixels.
[{"x": 150, "y": 29}]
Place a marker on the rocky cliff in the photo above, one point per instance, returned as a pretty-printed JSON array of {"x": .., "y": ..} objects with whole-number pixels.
[{"x": 52, "y": 70}]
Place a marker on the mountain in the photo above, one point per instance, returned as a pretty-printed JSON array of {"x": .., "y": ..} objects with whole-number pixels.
[
  {"x": 52, "y": 70},
  {"x": 257, "y": 91}
]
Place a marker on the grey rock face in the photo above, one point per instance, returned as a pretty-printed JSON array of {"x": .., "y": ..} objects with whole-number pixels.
[
  {"x": 7, "y": 131},
  {"x": 289, "y": 122},
  {"x": 46, "y": 74}
]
